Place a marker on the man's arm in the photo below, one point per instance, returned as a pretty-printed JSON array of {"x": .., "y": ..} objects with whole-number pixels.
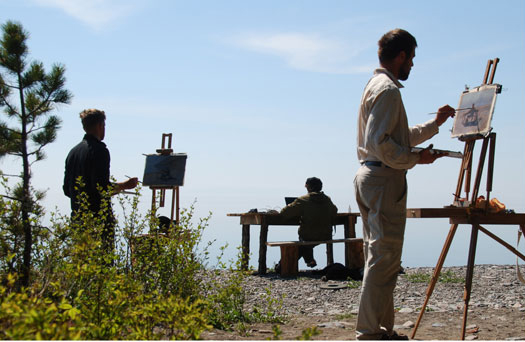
[
  {"x": 423, "y": 132},
  {"x": 293, "y": 209},
  {"x": 129, "y": 184}
]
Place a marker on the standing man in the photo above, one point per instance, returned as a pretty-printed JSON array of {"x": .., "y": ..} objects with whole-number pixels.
[
  {"x": 384, "y": 142},
  {"x": 90, "y": 161},
  {"x": 316, "y": 213}
]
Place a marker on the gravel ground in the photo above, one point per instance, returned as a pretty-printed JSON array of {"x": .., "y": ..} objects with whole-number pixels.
[{"x": 496, "y": 308}]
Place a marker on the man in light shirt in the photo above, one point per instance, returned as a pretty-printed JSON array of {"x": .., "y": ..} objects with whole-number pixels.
[{"x": 384, "y": 142}]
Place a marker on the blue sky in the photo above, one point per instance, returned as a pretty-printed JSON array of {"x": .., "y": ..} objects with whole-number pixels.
[{"x": 262, "y": 95}]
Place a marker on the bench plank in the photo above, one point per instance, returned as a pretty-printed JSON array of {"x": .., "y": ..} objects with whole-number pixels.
[{"x": 290, "y": 253}]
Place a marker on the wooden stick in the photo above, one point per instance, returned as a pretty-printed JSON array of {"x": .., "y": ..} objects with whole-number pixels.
[
  {"x": 479, "y": 172},
  {"x": 470, "y": 274},
  {"x": 495, "y": 63},
  {"x": 505, "y": 244},
  {"x": 435, "y": 276},
  {"x": 487, "y": 70},
  {"x": 490, "y": 172}
]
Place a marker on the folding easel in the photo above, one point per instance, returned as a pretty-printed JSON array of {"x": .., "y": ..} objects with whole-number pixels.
[
  {"x": 473, "y": 216},
  {"x": 166, "y": 150}
]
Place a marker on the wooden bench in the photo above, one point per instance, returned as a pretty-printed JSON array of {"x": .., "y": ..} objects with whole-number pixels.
[{"x": 290, "y": 253}]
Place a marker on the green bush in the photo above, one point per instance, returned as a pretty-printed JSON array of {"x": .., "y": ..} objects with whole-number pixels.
[{"x": 149, "y": 286}]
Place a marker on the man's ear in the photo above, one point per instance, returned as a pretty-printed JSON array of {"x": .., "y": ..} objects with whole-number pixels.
[{"x": 401, "y": 57}]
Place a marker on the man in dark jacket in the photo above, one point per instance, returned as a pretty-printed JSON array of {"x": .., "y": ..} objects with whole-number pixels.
[
  {"x": 90, "y": 160},
  {"x": 316, "y": 212}
]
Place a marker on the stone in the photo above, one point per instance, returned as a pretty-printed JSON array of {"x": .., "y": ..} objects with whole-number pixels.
[
  {"x": 408, "y": 324},
  {"x": 471, "y": 337},
  {"x": 438, "y": 325},
  {"x": 471, "y": 326},
  {"x": 406, "y": 310},
  {"x": 339, "y": 325}
]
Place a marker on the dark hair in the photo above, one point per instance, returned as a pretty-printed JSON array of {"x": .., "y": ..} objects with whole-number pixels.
[
  {"x": 314, "y": 184},
  {"x": 91, "y": 117},
  {"x": 393, "y": 42}
]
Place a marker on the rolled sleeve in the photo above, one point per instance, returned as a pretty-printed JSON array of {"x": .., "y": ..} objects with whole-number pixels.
[{"x": 421, "y": 133}]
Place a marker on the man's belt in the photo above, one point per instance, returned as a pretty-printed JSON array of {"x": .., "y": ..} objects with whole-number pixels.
[{"x": 374, "y": 163}]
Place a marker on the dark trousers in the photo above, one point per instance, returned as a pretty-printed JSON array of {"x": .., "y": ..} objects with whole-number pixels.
[{"x": 307, "y": 253}]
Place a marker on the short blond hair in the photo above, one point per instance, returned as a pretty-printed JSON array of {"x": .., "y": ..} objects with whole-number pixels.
[{"x": 91, "y": 117}]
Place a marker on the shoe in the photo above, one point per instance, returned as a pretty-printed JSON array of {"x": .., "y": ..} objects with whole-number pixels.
[
  {"x": 311, "y": 264},
  {"x": 278, "y": 267},
  {"x": 394, "y": 337}
]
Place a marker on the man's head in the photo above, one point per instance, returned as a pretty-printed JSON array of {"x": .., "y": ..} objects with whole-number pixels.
[
  {"x": 313, "y": 184},
  {"x": 397, "y": 48},
  {"x": 94, "y": 122}
]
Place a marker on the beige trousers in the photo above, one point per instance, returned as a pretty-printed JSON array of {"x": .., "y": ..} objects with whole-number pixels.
[{"x": 381, "y": 195}]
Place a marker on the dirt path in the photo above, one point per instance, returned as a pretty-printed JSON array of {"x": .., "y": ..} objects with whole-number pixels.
[{"x": 483, "y": 324}]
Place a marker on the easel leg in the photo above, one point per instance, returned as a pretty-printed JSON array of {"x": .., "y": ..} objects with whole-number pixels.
[
  {"x": 435, "y": 276},
  {"x": 470, "y": 273}
]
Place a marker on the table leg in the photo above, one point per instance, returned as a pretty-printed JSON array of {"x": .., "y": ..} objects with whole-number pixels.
[
  {"x": 435, "y": 276},
  {"x": 245, "y": 261},
  {"x": 329, "y": 254},
  {"x": 349, "y": 230},
  {"x": 470, "y": 273},
  {"x": 262, "y": 246}
]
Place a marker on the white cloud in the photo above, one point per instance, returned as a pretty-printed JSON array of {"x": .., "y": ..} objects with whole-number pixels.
[
  {"x": 309, "y": 52},
  {"x": 95, "y": 13}
]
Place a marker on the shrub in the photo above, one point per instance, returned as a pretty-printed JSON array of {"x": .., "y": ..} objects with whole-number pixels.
[{"x": 150, "y": 286}]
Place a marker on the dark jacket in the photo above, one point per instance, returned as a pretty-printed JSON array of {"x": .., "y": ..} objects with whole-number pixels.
[
  {"x": 90, "y": 160},
  {"x": 316, "y": 212}
]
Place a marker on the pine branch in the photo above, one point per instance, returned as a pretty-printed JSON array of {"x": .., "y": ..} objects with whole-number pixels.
[
  {"x": 8, "y": 175},
  {"x": 8, "y": 105},
  {"x": 11, "y": 198}
]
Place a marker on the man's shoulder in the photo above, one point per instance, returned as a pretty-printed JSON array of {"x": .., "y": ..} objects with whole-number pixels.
[{"x": 381, "y": 82}]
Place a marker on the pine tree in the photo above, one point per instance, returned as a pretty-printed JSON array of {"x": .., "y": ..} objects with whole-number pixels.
[{"x": 28, "y": 95}]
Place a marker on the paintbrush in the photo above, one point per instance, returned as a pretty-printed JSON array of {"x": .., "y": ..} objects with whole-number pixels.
[{"x": 457, "y": 110}]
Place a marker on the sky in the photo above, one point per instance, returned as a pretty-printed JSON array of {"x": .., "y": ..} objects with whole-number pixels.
[{"x": 262, "y": 95}]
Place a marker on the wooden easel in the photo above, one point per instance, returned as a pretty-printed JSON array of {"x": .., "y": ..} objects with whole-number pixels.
[
  {"x": 166, "y": 150},
  {"x": 489, "y": 143}
]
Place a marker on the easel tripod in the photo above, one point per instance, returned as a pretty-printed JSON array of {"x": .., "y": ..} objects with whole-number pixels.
[
  {"x": 166, "y": 150},
  {"x": 473, "y": 216}
]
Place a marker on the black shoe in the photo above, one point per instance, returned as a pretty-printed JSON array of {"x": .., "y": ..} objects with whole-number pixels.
[
  {"x": 394, "y": 337},
  {"x": 278, "y": 267}
]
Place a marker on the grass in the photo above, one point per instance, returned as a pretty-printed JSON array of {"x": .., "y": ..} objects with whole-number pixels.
[{"x": 447, "y": 277}]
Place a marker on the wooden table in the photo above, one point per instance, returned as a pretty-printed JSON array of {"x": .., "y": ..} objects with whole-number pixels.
[
  {"x": 348, "y": 220},
  {"x": 475, "y": 218}
]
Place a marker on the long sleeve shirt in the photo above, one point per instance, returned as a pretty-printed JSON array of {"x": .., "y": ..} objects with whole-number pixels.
[
  {"x": 316, "y": 212},
  {"x": 383, "y": 133},
  {"x": 90, "y": 160}
]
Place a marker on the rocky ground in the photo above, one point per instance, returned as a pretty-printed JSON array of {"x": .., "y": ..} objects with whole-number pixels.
[{"x": 496, "y": 309}]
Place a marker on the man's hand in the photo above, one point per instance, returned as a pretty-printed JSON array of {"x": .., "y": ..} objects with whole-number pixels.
[
  {"x": 130, "y": 183},
  {"x": 444, "y": 113},
  {"x": 426, "y": 157}
]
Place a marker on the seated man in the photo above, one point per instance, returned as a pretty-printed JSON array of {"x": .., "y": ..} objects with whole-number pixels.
[{"x": 316, "y": 212}]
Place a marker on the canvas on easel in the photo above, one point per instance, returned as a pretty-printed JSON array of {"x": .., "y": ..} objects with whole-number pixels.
[{"x": 475, "y": 109}]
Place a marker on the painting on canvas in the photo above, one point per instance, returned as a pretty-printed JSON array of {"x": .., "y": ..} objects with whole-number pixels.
[
  {"x": 474, "y": 113},
  {"x": 165, "y": 170}
]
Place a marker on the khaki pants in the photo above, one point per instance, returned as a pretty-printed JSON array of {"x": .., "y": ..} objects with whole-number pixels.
[{"x": 381, "y": 196}]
